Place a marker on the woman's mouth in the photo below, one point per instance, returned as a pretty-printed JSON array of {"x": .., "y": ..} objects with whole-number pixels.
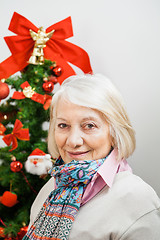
[{"x": 77, "y": 154}]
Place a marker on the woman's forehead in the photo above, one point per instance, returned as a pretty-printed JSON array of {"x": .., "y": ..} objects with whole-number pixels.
[{"x": 68, "y": 110}]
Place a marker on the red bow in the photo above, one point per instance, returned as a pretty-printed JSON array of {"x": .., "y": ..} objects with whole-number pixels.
[
  {"x": 18, "y": 132},
  {"x": 2, "y": 129},
  {"x": 28, "y": 92},
  {"x": 57, "y": 48}
]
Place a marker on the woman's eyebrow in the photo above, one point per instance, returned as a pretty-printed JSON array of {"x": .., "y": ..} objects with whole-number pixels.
[
  {"x": 89, "y": 118},
  {"x": 83, "y": 119},
  {"x": 60, "y": 118}
]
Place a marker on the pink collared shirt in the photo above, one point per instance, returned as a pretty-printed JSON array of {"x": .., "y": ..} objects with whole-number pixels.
[{"x": 105, "y": 176}]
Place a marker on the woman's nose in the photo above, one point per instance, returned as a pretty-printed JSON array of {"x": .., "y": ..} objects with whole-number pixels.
[{"x": 74, "y": 138}]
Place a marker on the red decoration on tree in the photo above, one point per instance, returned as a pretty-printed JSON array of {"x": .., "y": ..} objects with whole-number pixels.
[
  {"x": 28, "y": 92},
  {"x": 2, "y": 235},
  {"x": 8, "y": 199},
  {"x": 38, "y": 162},
  {"x": 2, "y": 129},
  {"x": 22, "y": 232},
  {"x": 57, "y": 48},
  {"x": 18, "y": 132},
  {"x": 4, "y": 90},
  {"x": 57, "y": 71},
  {"x": 53, "y": 79},
  {"x": 48, "y": 87},
  {"x": 48, "y": 102},
  {"x": 16, "y": 166}
]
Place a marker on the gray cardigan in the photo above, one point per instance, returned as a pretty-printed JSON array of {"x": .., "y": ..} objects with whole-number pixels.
[{"x": 129, "y": 210}]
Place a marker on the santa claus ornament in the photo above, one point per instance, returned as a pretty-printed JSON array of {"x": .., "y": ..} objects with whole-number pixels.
[{"x": 38, "y": 162}]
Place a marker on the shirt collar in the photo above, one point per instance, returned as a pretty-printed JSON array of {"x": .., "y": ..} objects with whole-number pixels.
[{"x": 111, "y": 166}]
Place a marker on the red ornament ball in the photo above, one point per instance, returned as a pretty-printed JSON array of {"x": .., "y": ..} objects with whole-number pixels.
[
  {"x": 53, "y": 79},
  {"x": 57, "y": 71},
  {"x": 48, "y": 86},
  {"x": 16, "y": 166},
  {"x": 4, "y": 90},
  {"x": 9, "y": 199}
]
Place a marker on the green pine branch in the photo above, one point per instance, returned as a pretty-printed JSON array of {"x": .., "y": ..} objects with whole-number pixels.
[{"x": 33, "y": 116}]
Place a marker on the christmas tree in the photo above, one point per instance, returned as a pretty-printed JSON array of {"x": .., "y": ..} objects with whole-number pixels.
[
  {"x": 24, "y": 115},
  {"x": 13, "y": 177}
]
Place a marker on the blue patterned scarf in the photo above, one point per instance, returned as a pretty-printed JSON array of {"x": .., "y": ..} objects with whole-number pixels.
[{"x": 57, "y": 215}]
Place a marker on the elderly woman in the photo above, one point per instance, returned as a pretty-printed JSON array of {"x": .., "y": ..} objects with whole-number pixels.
[{"x": 92, "y": 193}]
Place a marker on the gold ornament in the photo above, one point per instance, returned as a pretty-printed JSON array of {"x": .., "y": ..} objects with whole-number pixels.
[
  {"x": 28, "y": 91},
  {"x": 40, "y": 38}
]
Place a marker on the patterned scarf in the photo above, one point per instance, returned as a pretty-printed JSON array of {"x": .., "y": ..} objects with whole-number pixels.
[{"x": 57, "y": 215}]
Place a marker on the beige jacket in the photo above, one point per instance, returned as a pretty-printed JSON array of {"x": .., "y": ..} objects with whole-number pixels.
[{"x": 129, "y": 210}]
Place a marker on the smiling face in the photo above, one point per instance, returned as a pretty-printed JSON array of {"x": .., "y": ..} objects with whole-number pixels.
[{"x": 81, "y": 133}]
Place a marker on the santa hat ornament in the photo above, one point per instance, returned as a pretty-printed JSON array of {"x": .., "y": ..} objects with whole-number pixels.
[{"x": 38, "y": 162}]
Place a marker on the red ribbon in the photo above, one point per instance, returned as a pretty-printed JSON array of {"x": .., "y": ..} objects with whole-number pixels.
[
  {"x": 35, "y": 97},
  {"x": 18, "y": 132},
  {"x": 57, "y": 48},
  {"x": 47, "y": 102}
]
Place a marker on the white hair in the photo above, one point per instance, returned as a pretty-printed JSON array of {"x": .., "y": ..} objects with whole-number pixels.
[{"x": 96, "y": 92}]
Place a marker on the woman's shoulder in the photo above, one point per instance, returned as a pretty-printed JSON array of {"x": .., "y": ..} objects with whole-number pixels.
[
  {"x": 136, "y": 191},
  {"x": 139, "y": 205}
]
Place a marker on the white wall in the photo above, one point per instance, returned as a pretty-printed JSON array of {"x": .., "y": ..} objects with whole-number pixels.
[{"x": 123, "y": 41}]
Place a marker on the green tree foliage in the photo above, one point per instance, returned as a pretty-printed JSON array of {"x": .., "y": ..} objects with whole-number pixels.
[{"x": 33, "y": 116}]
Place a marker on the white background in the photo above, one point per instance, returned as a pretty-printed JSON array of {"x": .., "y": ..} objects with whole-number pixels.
[{"x": 122, "y": 38}]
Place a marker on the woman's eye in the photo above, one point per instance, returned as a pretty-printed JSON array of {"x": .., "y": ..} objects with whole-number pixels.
[
  {"x": 89, "y": 126},
  {"x": 62, "y": 125}
]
